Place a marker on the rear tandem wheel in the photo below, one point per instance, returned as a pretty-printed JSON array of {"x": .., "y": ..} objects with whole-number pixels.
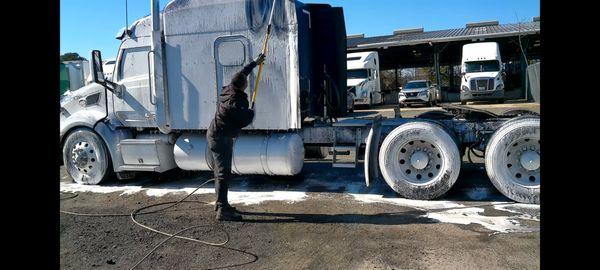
[
  {"x": 419, "y": 160},
  {"x": 512, "y": 160}
]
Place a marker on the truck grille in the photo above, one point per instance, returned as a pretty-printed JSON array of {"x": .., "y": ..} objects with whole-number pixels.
[{"x": 482, "y": 84}]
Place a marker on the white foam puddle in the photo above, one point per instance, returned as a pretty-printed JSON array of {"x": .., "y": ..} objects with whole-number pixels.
[
  {"x": 456, "y": 213},
  {"x": 235, "y": 197},
  {"x": 418, "y": 204},
  {"x": 250, "y": 197},
  {"x": 440, "y": 210}
]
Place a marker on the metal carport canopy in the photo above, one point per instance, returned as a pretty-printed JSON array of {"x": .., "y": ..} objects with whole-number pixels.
[{"x": 473, "y": 32}]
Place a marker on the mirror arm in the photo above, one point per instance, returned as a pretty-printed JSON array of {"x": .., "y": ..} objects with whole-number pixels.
[{"x": 110, "y": 85}]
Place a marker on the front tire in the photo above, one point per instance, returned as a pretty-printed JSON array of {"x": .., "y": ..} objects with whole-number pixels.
[
  {"x": 419, "y": 160},
  {"x": 85, "y": 157},
  {"x": 512, "y": 160}
]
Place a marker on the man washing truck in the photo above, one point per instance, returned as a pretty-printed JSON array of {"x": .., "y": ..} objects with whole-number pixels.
[{"x": 233, "y": 114}]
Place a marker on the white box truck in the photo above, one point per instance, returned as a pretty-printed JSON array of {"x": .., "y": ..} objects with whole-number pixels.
[
  {"x": 481, "y": 72},
  {"x": 363, "y": 78},
  {"x": 78, "y": 73},
  {"x": 154, "y": 112}
]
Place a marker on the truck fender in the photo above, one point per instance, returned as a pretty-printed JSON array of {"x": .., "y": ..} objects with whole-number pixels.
[
  {"x": 112, "y": 137},
  {"x": 83, "y": 118},
  {"x": 372, "y": 151}
]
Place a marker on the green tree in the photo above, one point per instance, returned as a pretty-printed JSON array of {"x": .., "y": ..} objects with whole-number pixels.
[{"x": 71, "y": 56}]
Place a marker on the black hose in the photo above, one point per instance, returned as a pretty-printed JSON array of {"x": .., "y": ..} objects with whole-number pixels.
[{"x": 137, "y": 212}]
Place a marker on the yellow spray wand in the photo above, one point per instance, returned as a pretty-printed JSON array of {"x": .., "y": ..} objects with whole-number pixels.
[{"x": 264, "y": 51}]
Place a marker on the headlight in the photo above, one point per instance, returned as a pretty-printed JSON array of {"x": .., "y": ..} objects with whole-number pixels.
[
  {"x": 499, "y": 87},
  {"x": 364, "y": 94},
  {"x": 424, "y": 93},
  {"x": 464, "y": 88}
]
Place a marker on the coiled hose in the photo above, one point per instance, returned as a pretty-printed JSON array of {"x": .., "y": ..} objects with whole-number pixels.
[{"x": 171, "y": 204}]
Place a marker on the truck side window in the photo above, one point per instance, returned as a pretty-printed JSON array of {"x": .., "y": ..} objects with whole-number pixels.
[{"x": 134, "y": 62}]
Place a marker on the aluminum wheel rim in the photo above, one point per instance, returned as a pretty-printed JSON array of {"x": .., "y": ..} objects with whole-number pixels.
[
  {"x": 413, "y": 167},
  {"x": 84, "y": 159},
  {"x": 522, "y": 161}
]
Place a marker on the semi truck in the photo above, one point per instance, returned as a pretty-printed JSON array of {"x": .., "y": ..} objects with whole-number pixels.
[
  {"x": 481, "y": 72},
  {"x": 154, "y": 112},
  {"x": 363, "y": 78},
  {"x": 74, "y": 75}
]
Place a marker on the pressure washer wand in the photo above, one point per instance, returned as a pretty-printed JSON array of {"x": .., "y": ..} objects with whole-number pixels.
[{"x": 264, "y": 51}]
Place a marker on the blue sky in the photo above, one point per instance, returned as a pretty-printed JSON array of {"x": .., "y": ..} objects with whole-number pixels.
[{"x": 92, "y": 24}]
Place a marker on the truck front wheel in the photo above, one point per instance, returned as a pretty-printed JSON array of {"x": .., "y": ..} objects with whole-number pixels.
[{"x": 85, "y": 157}]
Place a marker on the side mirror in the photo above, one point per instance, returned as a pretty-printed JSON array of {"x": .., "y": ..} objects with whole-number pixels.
[{"x": 97, "y": 72}]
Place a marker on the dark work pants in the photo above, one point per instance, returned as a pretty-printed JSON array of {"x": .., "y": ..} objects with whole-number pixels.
[{"x": 221, "y": 149}]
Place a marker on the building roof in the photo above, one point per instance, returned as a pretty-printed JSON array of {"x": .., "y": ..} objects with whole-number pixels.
[{"x": 489, "y": 29}]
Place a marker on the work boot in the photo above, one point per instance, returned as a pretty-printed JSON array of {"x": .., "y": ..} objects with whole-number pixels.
[
  {"x": 228, "y": 214},
  {"x": 224, "y": 205}
]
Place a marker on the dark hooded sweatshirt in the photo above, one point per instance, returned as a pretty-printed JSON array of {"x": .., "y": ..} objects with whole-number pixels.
[{"x": 233, "y": 112}]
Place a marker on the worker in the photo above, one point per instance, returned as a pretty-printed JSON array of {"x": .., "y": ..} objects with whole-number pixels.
[{"x": 233, "y": 114}]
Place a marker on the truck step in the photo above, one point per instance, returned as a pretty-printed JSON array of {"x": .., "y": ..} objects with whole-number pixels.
[
  {"x": 345, "y": 156},
  {"x": 343, "y": 165},
  {"x": 140, "y": 168}
]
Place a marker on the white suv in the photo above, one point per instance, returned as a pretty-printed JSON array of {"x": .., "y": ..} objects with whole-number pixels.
[{"x": 421, "y": 91}]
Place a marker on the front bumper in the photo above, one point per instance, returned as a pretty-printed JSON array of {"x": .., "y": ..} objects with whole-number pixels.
[
  {"x": 418, "y": 99},
  {"x": 481, "y": 95},
  {"x": 361, "y": 101}
]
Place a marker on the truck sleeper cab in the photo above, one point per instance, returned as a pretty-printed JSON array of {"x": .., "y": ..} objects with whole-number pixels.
[{"x": 481, "y": 71}]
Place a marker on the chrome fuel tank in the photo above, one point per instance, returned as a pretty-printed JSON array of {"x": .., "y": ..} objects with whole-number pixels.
[{"x": 272, "y": 154}]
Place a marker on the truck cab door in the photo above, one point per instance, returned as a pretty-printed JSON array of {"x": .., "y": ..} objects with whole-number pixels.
[
  {"x": 231, "y": 54},
  {"x": 135, "y": 102}
]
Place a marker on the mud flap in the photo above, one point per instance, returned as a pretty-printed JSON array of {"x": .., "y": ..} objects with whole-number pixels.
[{"x": 372, "y": 151}]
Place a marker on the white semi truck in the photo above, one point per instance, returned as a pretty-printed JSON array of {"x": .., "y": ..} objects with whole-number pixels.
[
  {"x": 78, "y": 73},
  {"x": 481, "y": 71},
  {"x": 363, "y": 78},
  {"x": 153, "y": 113}
]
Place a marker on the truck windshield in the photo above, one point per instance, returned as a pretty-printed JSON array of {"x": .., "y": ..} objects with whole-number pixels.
[
  {"x": 357, "y": 74},
  {"x": 413, "y": 85},
  {"x": 482, "y": 66}
]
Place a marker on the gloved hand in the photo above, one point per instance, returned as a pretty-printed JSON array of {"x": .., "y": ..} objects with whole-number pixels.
[{"x": 261, "y": 58}]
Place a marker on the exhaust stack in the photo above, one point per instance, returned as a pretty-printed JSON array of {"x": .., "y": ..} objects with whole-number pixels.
[{"x": 157, "y": 71}]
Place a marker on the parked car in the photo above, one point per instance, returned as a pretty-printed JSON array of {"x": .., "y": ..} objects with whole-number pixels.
[{"x": 418, "y": 92}]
